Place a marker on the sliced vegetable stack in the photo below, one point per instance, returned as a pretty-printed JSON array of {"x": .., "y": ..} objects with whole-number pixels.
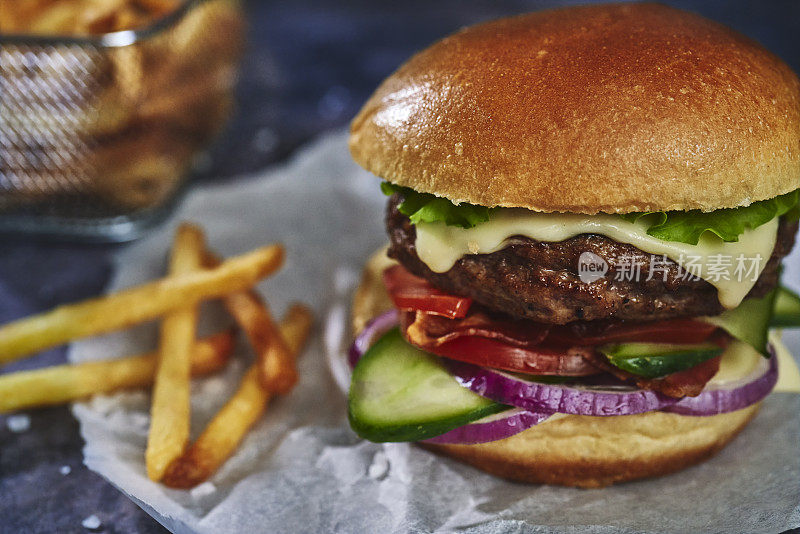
[{"x": 442, "y": 369}]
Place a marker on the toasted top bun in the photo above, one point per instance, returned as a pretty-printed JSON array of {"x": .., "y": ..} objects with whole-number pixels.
[{"x": 613, "y": 108}]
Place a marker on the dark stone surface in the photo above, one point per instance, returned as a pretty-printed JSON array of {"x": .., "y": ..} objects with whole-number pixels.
[{"x": 310, "y": 65}]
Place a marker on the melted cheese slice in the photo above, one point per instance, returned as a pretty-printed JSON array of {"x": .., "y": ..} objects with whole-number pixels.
[
  {"x": 738, "y": 361},
  {"x": 788, "y": 373},
  {"x": 440, "y": 246}
]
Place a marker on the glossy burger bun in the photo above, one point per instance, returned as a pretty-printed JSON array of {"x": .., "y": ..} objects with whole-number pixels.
[
  {"x": 610, "y": 108},
  {"x": 577, "y": 450}
]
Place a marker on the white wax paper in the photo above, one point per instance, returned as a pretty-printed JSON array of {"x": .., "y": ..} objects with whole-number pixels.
[{"x": 302, "y": 469}]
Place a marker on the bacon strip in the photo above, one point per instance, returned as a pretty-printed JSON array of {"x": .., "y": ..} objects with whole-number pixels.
[
  {"x": 602, "y": 332},
  {"x": 428, "y": 330},
  {"x": 687, "y": 383},
  {"x": 482, "y": 341}
]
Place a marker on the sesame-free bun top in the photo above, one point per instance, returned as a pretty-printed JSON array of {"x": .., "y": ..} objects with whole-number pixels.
[{"x": 613, "y": 108}]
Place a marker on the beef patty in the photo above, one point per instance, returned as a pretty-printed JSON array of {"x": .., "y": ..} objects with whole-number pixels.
[{"x": 539, "y": 280}]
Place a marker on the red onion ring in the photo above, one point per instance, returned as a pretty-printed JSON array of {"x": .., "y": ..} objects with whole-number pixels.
[
  {"x": 492, "y": 428},
  {"x": 372, "y": 331},
  {"x": 734, "y": 395},
  {"x": 538, "y": 397}
]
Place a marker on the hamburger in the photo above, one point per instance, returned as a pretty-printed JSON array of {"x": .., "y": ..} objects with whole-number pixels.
[{"x": 588, "y": 208}]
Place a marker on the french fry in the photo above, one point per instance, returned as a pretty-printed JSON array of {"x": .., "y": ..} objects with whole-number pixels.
[
  {"x": 55, "y": 20},
  {"x": 275, "y": 360},
  {"x": 158, "y": 7},
  {"x": 224, "y": 433},
  {"x": 65, "y": 383},
  {"x": 171, "y": 403},
  {"x": 80, "y": 17},
  {"x": 132, "y": 306}
]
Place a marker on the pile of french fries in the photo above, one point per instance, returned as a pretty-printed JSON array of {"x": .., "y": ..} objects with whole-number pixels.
[
  {"x": 80, "y": 17},
  {"x": 195, "y": 275},
  {"x": 142, "y": 112}
]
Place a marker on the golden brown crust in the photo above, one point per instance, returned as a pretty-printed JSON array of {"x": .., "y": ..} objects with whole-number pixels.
[
  {"x": 593, "y": 452},
  {"x": 577, "y": 450},
  {"x": 615, "y": 108}
]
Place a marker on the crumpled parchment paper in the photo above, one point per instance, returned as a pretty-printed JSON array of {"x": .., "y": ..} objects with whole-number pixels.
[{"x": 302, "y": 469}]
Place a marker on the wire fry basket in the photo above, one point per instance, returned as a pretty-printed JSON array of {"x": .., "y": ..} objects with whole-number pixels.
[{"x": 97, "y": 134}]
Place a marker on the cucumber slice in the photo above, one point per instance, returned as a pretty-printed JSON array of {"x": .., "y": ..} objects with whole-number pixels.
[
  {"x": 400, "y": 393},
  {"x": 653, "y": 360},
  {"x": 786, "y": 311},
  {"x": 748, "y": 322}
]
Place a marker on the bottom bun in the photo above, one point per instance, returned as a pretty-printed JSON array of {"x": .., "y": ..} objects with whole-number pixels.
[
  {"x": 577, "y": 450},
  {"x": 591, "y": 452}
]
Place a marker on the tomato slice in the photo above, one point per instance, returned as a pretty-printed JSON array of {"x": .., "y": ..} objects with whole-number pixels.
[
  {"x": 409, "y": 292},
  {"x": 498, "y": 355}
]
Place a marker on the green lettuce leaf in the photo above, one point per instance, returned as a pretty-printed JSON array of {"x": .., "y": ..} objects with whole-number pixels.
[
  {"x": 728, "y": 224},
  {"x": 424, "y": 207}
]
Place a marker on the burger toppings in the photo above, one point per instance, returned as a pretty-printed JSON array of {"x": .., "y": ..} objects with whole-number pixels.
[
  {"x": 447, "y": 370},
  {"x": 654, "y": 360},
  {"x": 681, "y": 226},
  {"x": 727, "y": 224},
  {"x": 400, "y": 393},
  {"x": 697, "y": 242},
  {"x": 409, "y": 292},
  {"x": 688, "y": 380},
  {"x": 748, "y": 379},
  {"x": 742, "y": 380},
  {"x": 786, "y": 308},
  {"x": 483, "y": 346},
  {"x": 747, "y": 323},
  {"x": 427, "y": 208},
  {"x": 543, "y": 281},
  {"x": 575, "y": 350},
  {"x": 494, "y": 427},
  {"x": 439, "y": 246},
  {"x": 556, "y": 350}
]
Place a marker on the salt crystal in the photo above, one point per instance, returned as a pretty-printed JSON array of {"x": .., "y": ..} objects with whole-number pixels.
[
  {"x": 203, "y": 490},
  {"x": 65, "y": 470},
  {"x": 215, "y": 387},
  {"x": 140, "y": 420},
  {"x": 92, "y": 522},
  {"x": 104, "y": 404},
  {"x": 379, "y": 467},
  {"x": 18, "y": 423}
]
